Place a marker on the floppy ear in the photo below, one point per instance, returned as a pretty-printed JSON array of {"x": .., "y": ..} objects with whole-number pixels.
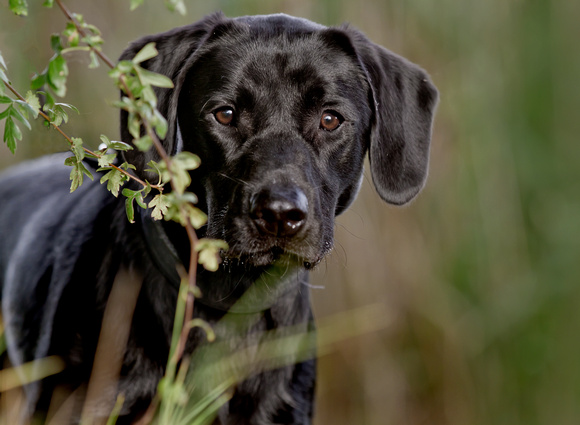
[
  {"x": 177, "y": 50},
  {"x": 404, "y": 103}
]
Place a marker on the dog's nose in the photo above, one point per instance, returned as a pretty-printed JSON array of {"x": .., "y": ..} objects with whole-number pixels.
[{"x": 279, "y": 211}]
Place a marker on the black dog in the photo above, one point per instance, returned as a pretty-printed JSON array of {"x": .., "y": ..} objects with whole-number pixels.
[{"x": 282, "y": 112}]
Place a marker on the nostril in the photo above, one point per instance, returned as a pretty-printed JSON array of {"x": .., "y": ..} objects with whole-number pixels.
[
  {"x": 295, "y": 215},
  {"x": 279, "y": 211}
]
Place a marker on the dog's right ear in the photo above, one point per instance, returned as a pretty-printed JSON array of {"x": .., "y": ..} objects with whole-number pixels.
[{"x": 177, "y": 49}]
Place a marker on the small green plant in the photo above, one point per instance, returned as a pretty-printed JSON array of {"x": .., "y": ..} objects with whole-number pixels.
[{"x": 148, "y": 127}]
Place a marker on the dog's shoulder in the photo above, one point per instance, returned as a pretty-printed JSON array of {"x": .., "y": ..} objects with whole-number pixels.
[
  {"x": 36, "y": 193},
  {"x": 44, "y": 229}
]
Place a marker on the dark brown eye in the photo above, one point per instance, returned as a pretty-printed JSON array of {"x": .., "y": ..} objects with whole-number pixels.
[
  {"x": 225, "y": 116},
  {"x": 330, "y": 121}
]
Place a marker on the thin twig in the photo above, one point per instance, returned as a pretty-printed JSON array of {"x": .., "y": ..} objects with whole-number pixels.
[
  {"x": 82, "y": 32},
  {"x": 188, "y": 316},
  {"x": 98, "y": 52},
  {"x": 68, "y": 139}
]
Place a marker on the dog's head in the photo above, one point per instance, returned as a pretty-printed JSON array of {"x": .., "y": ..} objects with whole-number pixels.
[{"x": 282, "y": 112}]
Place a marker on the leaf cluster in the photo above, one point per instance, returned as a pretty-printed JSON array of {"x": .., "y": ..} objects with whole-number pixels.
[
  {"x": 139, "y": 98},
  {"x": 147, "y": 126}
]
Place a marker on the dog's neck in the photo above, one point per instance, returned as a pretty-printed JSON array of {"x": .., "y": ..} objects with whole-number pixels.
[{"x": 235, "y": 287}]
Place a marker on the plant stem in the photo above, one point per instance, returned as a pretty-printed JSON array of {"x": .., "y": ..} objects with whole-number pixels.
[
  {"x": 71, "y": 18},
  {"x": 193, "y": 240},
  {"x": 192, "y": 276},
  {"x": 69, "y": 140}
]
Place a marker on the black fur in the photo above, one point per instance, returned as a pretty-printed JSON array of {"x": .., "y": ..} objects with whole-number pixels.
[{"x": 271, "y": 183}]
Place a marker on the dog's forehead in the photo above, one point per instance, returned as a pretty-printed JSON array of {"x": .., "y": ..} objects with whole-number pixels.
[
  {"x": 281, "y": 54},
  {"x": 278, "y": 21}
]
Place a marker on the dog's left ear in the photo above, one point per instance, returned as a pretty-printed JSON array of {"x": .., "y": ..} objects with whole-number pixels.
[{"x": 404, "y": 104}]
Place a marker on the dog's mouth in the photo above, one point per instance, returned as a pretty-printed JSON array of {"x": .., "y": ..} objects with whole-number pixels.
[{"x": 266, "y": 257}]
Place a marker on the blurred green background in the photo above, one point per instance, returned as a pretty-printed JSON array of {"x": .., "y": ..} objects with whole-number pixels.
[{"x": 479, "y": 277}]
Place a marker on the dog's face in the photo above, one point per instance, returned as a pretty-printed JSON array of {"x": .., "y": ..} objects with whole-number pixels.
[
  {"x": 282, "y": 112},
  {"x": 281, "y": 125}
]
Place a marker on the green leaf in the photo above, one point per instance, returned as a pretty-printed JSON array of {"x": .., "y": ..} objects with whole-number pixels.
[
  {"x": 134, "y": 125},
  {"x": 208, "y": 243},
  {"x": 153, "y": 78},
  {"x": 56, "y": 43},
  {"x": 76, "y": 49},
  {"x": 57, "y": 75},
  {"x": 38, "y": 80},
  {"x": 147, "y": 52},
  {"x": 115, "y": 180},
  {"x": 4, "y": 78},
  {"x": 135, "y": 4},
  {"x": 160, "y": 124},
  {"x": 125, "y": 166},
  {"x": 132, "y": 196},
  {"x": 123, "y": 67},
  {"x": 5, "y": 99},
  {"x": 48, "y": 100},
  {"x": 130, "y": 210},
  {"x": 33, "y": 102},
  {"x": 176, "y": 5},
  {"x": 209, "y": 259},
  {"x": 85, "y": 170},
  {"x": 209, "y": 250},
  {"x": 2, "y": 63},
  {"x": 69, "y": 106},
  {"x": 105, "y": 160},
  {"x": 77, "y": 148},
  {"x": 154, "y": 167},
  {"x": 19, "y": 7},
  {"x": 160, "y": 204},
  {"x": 93, "y": 29},
  {"x": 18, "y": 113},
  {"x": 48, "y": 3},
  {"x": 79, "y": 17},
  {"x": 11, "y": 134},
  {"x": 143, "y": 143},
  {"x": 187, "y": 160},
  {"x": 140, "y": 201},
  {"x": 79, "y": 169},
  {"x": 120, "y": 146},
  {"x": 6, "y": 112},
  {"x": 94, "y": 60},
  {"x": 196, "y": 216},
  {"x": 72, "y": 35},
  {"x": 106, "y": 141},
  {"x": 76, "y": 175},
  {"x": 57, "y": 113},
  {"x": 189, "y": 197},
  {"x": 94, "y": 41}
]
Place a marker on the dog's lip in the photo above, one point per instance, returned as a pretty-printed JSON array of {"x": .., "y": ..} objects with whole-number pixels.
[{"x": 267, "y": 256}]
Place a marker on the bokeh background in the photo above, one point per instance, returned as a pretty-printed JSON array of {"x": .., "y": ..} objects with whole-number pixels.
[{"x": 478, "y": 278}]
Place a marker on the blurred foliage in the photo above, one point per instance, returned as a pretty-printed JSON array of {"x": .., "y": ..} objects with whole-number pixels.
[{"x": 479, "y": 276}]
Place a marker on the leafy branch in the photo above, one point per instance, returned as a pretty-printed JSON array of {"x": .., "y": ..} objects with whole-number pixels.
[
  {"x": 147, "y": 127},
  {"x": 53, "y": 114}
]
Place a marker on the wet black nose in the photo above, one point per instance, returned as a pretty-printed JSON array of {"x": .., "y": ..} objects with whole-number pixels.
[{"x": 279, "y": 211}]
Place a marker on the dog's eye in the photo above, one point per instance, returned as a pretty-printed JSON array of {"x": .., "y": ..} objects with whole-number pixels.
[
  {"x": 224, "y": 116},
  {"x": 330, "y": 121}
]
